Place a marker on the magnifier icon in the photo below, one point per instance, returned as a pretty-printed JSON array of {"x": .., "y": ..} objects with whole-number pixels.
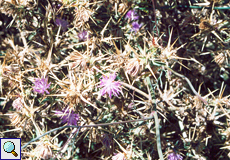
[{"x": 9, "y": 147}]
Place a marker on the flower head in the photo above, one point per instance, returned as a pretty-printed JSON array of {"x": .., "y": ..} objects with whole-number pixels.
[
  {"x": 67, "y": 117},
  {"x": 63, "y": 23},
  {"x": 119, "y": 156},
  {"x": 110, "y": 86},
  {"x": 106, "y": 141},
  {"x": 41, "y": 85},
  {"x": 44, "y": 151},
  {"x": 132, "y": 15},
  {"x": 82, "y": 35},
  {"x": 136, "y": 26},
  {"x": 18, "y": 103},
  {"x": 174, "y": 156},
  {"x": 108, "y": 144},
  {"x": 133, "y": 66}
]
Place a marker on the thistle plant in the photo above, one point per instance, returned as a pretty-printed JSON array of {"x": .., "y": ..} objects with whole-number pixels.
[
  {"x": 68, "y": 117},
  {"x": 18, "y": 103},
  {"x": 82, "y": 35},
  {"x": 174, "y": 156},
  {"x": 136, "y": 27},
  {"x": 43, "y": 151},
  {"x": 132, "y": 15},
  {"x": 110, "y": 86},
  {"x": 41, "y": 85},
  {"x": 119, "y": 156},
  {"x": 93, "y": 73},
  {"x": 63, "y": 23}
]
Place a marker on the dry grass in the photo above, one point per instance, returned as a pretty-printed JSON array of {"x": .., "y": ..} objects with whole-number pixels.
[{"x": 172, "y": 65}]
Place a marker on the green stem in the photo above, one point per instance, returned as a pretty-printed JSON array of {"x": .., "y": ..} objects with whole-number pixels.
[
  {"x": 86, "y": 126},
  {"x": 157, "y": 126}
]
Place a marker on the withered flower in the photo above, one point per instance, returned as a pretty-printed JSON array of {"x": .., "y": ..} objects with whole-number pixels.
[
  {"x": 133, "y": 66},
  {"x": 44, "y": 151}
]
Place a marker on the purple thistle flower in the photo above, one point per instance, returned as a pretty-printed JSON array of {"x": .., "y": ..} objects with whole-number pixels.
[
  {"x": 110, "y": 86},
  {"x": 136, "y": 26},
  {"x": 41, "y": 85},
  {"x": 63, "y": 23},
  {"x": 132, "y": 15},
  {"x": 67, "y": 117},
  {"x": 106, "y": 141},
  {"x": 82, "y": 35},
  {"x": 174, "y": 156}
]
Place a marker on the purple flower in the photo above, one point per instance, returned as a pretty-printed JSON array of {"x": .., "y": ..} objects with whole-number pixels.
[
  {"x": 136, "y": 26},
  {"x": 110, "y": 86},
  {"x": 106, "y": 141},
  {"x": 174, "y": 156},
  {"x": 82, "y": 35},
  {"x": 67, "y": 117},
  {"x": 63, "y": 23},
  {"x": 132, "y": 15},
  {"x": 41, "y": 85}
]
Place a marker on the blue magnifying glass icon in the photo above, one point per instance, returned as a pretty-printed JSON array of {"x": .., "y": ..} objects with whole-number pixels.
[{"x": 9, "y": 147}]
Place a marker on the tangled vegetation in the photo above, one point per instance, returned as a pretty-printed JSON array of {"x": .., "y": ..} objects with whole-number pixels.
[{"x": 116, "y": 79}]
